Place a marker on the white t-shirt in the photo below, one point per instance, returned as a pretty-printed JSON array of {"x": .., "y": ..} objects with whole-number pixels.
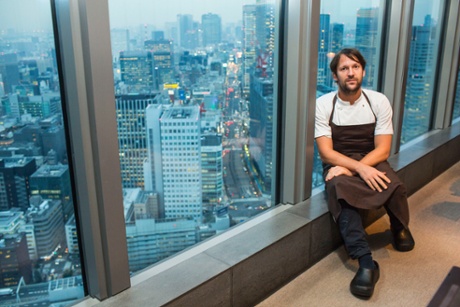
[{"x": 356, "y": 114}]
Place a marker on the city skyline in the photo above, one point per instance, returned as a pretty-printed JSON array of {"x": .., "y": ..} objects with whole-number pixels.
[{"x": 35, "y": 15}]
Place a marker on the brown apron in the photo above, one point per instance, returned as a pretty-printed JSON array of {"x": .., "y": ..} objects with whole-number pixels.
[{"x": 355, "y": 141}]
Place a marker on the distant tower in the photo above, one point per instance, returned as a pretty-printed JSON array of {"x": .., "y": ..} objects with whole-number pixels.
[
  {"x": 367, "y": 21},
  {"x": 419, "y": 89},
  {"x": 211, "y": 25},
  {"x": 188, "y": 32},
  {"x": 9, "y": 71},
  {"x": 337, "y": 37},
  {"x": 249, "y": 45},
  {"x": 120, "y": 42},
  {"x": 323, "y": 76}
]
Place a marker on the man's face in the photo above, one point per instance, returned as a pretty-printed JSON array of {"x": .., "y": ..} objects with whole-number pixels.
[{"x": 349, "y": 75}]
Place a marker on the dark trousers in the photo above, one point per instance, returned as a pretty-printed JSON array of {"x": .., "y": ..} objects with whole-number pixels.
[{"x": 352, "y": 230}]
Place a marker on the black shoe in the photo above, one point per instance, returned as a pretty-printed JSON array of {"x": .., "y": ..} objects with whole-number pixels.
[
  {"x": 364, "y": 281},
  {"x": 403, "y": 240}
]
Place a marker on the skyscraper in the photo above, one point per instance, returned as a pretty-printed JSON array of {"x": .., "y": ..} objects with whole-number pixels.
[
  {"x": 249, "y": 45},
  {"x": 132, "y": 138},
  {"x": 14, "y": 260},
  {"x": 367, "y": 21},
  {"x": 9, "y": 71},
  {"x": 211, "y": 25},
  {"x": 53, "y": 182},
  {"x": 337, "y": 37},
  {"x": 163, "y": 61},
  {"x": 261, "y": 129},
  {"x": 419, "y": 89},
  {"x": 137, "y": 71},
  {"x": 324, "y": 76},
  {"x": 211, "y": 168},
  {"x": 188, "y": 32},
  {"x": 14, "y": 182},
  {"x": 174, "y": 150},
  {"x": 265, "y": 31}
]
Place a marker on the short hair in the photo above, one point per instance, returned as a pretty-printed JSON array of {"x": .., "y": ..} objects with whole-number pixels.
[{"x": 350, "y": 53}]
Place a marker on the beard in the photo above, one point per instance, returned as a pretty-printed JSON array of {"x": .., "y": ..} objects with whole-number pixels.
[{"x": 347, "y": 90}]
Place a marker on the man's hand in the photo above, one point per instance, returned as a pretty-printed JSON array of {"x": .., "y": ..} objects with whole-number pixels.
[
  {"x": 338, "y": 171},
  {"x": 374, "y": 178}
]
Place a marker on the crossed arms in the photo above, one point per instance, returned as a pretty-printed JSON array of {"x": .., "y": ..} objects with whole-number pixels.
[{"x": 343, "y": 165}]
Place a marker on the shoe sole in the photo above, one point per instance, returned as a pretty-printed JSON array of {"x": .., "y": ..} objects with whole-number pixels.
[{"x": 362, "y": 293}]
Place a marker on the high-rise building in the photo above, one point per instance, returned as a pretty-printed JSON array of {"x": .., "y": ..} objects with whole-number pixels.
[
  {"x": 137, "y": 71},
  {"x": 163, "y": 61},
  {"x": 174, "y": 150},
  {"x": 419, "y": 88},
  {"x": 366, "y": 40},
  {"x": 265, "y": 32},
  {"x": 45, "y": 216},
  {"x": 53, "y": 140},
  {"x": 9, "y": 71},
  {"x": 211, "y": 168},
  {"x": 188, "y": 32},
  {"x": 14, "y": 260},
  {"x": 158, "y": 35},
  {"x": 211, "y": 25},
  {"x": 53, "y": 182},
  {"x": 261, "y": 129},
  {"x": 132, "y": 138},
  {"x": 324, "y": 76},
  {"x": 71, "y": 235},
  {"x": 337, "y": 37},
  {"x": 15, "y": 176},
  {"x": 249, "y": 45}
]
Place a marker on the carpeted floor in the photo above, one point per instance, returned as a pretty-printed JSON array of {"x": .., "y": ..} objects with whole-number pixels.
[{"x": 406, "y": 279}]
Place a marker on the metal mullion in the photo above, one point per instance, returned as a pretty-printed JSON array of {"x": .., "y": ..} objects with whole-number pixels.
[
  {"x": 397, "y": 61},
  {"x": 299, "y": 76},
  {"x": 449, "y": 67},
  {"x": 85, "y": 51}
]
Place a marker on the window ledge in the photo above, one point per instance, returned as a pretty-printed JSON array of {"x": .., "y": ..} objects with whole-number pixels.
[{"x": 246, "y": 264}]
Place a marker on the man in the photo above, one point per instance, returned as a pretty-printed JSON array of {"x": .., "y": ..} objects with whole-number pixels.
[{"x": 353, "y": 133}]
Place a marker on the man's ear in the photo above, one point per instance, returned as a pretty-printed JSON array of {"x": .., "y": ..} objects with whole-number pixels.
[
  {"x": 364, "y": 73},
  {"x": 334, "y": 76}
]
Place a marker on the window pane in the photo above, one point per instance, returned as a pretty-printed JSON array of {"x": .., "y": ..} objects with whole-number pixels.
[
  {"x": 343, "y": 24},
  {"x": 421, "y": 73},
  {"x": 195, "y": 107},
  {"x": 39, "y": 250},
  {"x": 456, "y": 112}
]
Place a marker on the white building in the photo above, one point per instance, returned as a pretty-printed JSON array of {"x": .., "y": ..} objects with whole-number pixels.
[{"x": 174, "y": 151}]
